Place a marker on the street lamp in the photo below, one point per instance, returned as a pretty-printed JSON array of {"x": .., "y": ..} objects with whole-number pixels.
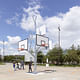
[
  {"x": 0, "y": 53},
  {"x": 59, "y": 42},
  {"x": 3, "y": 50},
  {"x": 59, "y": 35}
]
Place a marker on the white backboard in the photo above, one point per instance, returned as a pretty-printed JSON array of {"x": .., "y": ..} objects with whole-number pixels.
[
  {"x": 50, "y": 44},
  {"x": 42, "y": 40},
  {"x": 41, "y": 30},
  {"x": 28, "y": 57},
  {"x": 23, "y": 44}
]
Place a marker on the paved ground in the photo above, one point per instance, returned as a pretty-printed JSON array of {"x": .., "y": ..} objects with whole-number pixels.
[{"x": 51, "y": 73}]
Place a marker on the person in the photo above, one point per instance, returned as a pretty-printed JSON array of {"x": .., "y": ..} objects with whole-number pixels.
[
  {"x": 14, "y": 66},
  {"x": 30, "y": 68},
  {"x": 17, "y": 66},
  {"x": 22, "y": 65}
]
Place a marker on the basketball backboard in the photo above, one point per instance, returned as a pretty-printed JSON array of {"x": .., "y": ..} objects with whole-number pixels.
[
  {"x": 41, "y": 30},
  {"x": 42, "y": 40},
  {"x": 50, "y": 44},
  {"x": 23, "y": 45},
  {"x": 28, "y": 57}
]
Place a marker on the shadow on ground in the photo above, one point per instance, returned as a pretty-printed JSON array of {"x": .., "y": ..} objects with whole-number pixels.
[{"x": 48, "y": 71}]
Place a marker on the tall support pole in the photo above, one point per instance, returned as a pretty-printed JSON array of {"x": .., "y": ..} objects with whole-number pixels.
[
  {"x": 0, "y": 54},
  {"x": 59, "y": 42},
  {"x": 35, "y": 58},
  {"x": 59, "y": 35},
  {"x": 3, "y": 51}
]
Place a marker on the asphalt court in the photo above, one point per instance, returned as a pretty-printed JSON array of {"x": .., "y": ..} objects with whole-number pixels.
[{"x": 43, "y": 73}]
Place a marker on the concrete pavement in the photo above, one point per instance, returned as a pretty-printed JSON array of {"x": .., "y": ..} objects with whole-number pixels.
[{"x": 51, "y": 73}]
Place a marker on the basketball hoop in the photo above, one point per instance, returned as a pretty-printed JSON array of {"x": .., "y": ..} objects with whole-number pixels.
[
  {"x": 20, "y": 49},
  {"x": 42, "y": 44},
  {"x": 45, "y": 45}
]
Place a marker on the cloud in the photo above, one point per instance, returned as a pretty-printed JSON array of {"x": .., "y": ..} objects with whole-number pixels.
[
  {"x": 30, "y": 14},
  {"x": 10, "y": 46},
  {"x": 70, "y": 27},
  {"x": 5, "y": 43},
  {"x": 33, "y": 2},
  {"x": 13, "y": 40},
  {"x": 71, "y": 18},
  {"x": 27, "y": 23},
  {"x": 8, "y": 21},
  {"x": 14, "y": 19},
  {"x": 69, "y": 23},
  {"x": 32, "y": 10}
]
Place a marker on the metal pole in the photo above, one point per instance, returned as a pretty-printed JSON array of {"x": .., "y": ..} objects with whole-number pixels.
[
  {"x": 35, "y": 58},
  {"x": 3, "y": 52},
  {"x": 59, "y": 36},
  {"x": 59, "y": 43},
  {"x": 0, "y": 54}
]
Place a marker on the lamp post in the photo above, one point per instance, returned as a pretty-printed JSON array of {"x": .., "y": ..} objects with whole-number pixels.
[
  {"x": 3, "y": 51},
  {"x": 59, "y": 35},
  {"x": 0, "y": 54},
  {"x": 59, "y": 42}
]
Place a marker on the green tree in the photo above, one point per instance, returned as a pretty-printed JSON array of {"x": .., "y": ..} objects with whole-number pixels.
[
  {"x": 78, "y": 50},
  {"x": 72, "y": 56},
  {"x": 40, "y": 57},
  {"x": 55, "y": 55}
]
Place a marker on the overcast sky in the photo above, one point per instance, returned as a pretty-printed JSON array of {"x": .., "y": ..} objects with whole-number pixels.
[{"x": 16, "y": 22}]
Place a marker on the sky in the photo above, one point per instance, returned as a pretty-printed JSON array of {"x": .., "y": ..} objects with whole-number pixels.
[{"x": 16, "y": 21}]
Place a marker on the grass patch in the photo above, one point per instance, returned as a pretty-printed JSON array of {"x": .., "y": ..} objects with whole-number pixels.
[
  {"x": 66, "y": 65},
  {"x": 71, "y": 65},
  {"x": 41, "y": 64},
  {"x": 2, "y": 63}
]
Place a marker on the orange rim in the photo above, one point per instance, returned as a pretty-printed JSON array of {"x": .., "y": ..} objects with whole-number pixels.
[
  {"x": 20, "y": 49},
  {"x": 46, "y": 45},
  {"x": 43, "y": 45}
]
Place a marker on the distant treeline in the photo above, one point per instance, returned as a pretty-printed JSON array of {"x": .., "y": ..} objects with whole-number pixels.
[
  {"x": 11, "y": 58},
  {"x": 56, "y": 56}
]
